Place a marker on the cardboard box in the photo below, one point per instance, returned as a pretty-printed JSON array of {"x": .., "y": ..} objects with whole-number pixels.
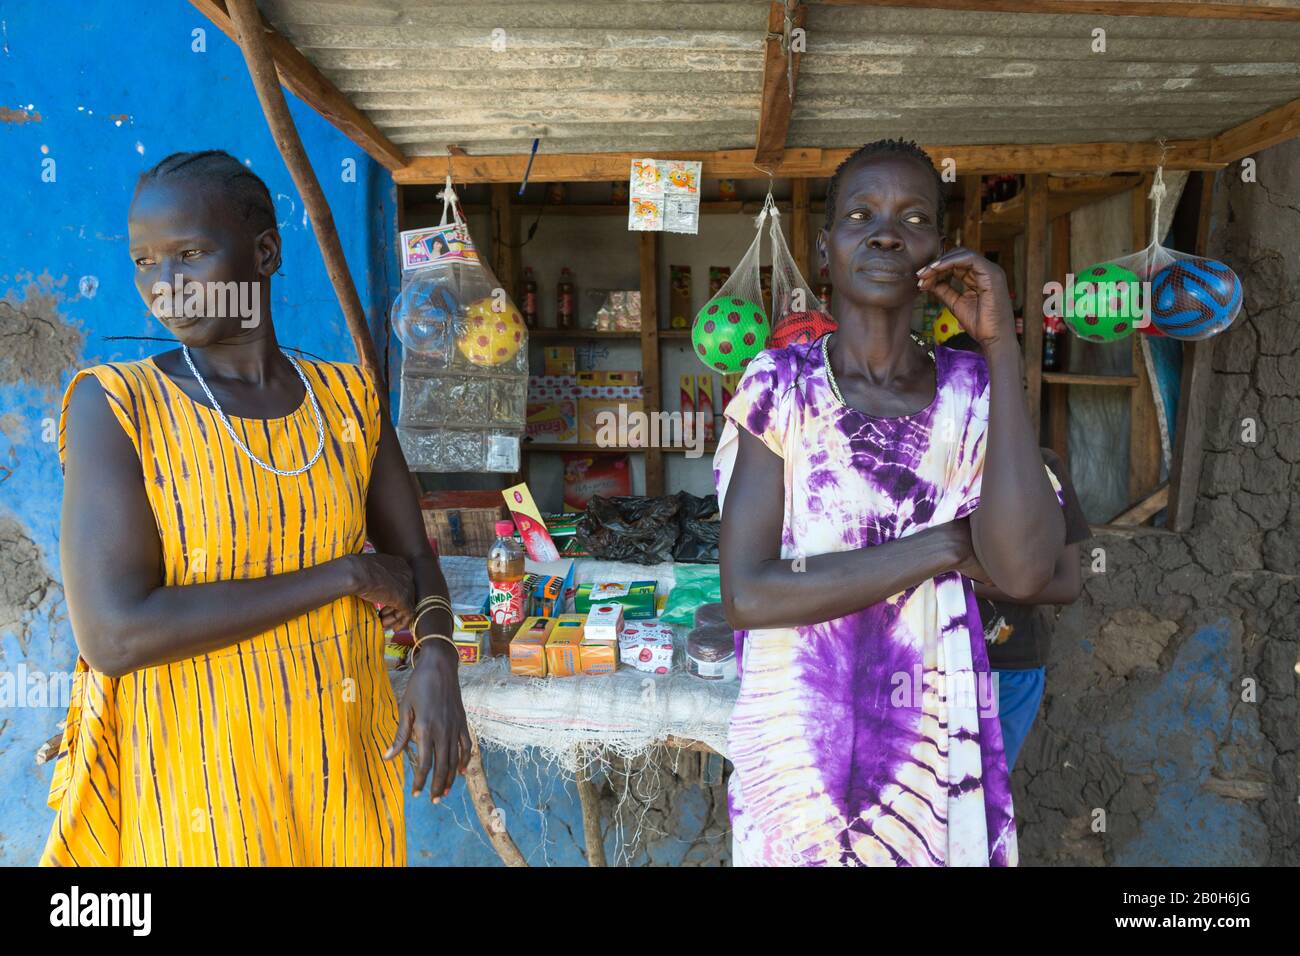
[
  {"x": 599, "y": 417},
  {"x": 552, "y": 409},
  {"x": 564, "y": 647},
  {"x": 614, "y": 378},
  {"x": 647, "y": 646},
  {"x": 704, "y": 405},
  {"x": 680, "y": 313},
  {"x": 598, "y": 657},
  {"x": 528, "y": 647},
  {"x": 688, "y": 408},
  {"x": 470, "y": 635},
  {"x": 636, "y": 597},
  {"x": 587, "y": 474},
  {"x": 559, "y": 360},
  {"x": 604, "y": 624}
]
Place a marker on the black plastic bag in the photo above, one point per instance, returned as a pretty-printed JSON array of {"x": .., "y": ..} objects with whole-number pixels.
[{"x": 650, "y": 530}]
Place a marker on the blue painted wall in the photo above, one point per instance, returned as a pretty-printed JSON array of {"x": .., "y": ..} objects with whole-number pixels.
[{"x": 104, "y": 94}]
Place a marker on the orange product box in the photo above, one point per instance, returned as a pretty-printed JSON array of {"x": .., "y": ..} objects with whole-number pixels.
[
  {"x": 597, "y": 429},
  {"x": 528, "y": 647},
  {"x": 599, "y": 657},
  {"x": 564, "y": 644}
]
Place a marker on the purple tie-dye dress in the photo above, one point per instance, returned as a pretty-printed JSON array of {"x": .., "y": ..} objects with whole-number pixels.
[{"x": 847, "y": 749}]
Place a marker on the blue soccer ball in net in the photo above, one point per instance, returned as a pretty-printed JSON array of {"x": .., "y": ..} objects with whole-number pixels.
[{"x": 1194, "y": 298}]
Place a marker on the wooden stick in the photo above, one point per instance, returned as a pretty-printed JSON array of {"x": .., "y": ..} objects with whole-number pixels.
[
  {"x": 590, "y": 801},
  {"x": 261, "y": 68},
  {"x": 1036, "y": 253},
  {"x": 492, "y": 821}
]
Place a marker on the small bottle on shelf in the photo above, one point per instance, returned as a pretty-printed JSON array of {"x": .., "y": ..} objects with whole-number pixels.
[
  {"x": 529, "y": 298},
  {"x": 564, "y": 301},
  {"x": 824, "y": 291}
]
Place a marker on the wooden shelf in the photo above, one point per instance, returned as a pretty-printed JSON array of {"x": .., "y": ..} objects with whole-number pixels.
[
  {"x": 732, "y": 207},
  {"x": 583, "y": 334},
  {"x": 1079, "y": 378},
  {"x": 570, "y": 334},
  {"x": 1003, "y": 220}
]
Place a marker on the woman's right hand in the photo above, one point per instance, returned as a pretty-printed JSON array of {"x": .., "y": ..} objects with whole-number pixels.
[{"x": 384, "y": 579}]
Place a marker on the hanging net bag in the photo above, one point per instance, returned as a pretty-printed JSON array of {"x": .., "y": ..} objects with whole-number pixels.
[
  {"x": 465, "y": 358},
  {"x": 733, "y": 327},
  {"x": 1157, "y": 290},
  {"x": 797, "y": 316}
]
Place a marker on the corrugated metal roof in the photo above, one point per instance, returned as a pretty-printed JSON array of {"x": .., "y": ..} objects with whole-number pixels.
[{"x": 616, "y": 75}]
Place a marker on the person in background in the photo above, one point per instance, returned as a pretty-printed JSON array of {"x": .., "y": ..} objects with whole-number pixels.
[{"x": 1018, "y": 637}]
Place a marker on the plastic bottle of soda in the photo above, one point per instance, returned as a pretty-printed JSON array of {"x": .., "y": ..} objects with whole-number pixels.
[
  {"x": 505, "y": 563},
  {"x": 824, "y": 291},
  {"x": 564, "y": 301},
  {"x": 530, "y": 298}
]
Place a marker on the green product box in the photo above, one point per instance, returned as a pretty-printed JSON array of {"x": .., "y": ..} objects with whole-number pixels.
[{"x": 637, "y": 597}]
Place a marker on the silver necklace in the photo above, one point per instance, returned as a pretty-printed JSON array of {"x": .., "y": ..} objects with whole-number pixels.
[
  {"x": 216, "y": 407},
  {"x": 830, "y": 373}
]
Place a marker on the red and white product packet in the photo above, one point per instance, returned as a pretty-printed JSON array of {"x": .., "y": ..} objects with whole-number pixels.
[{"x": 647, "y": 645}]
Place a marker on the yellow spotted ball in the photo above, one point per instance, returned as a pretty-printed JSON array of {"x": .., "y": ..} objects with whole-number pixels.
[
  {"x": 945, "y": 327},
  {"x": 491, "y": 338}
]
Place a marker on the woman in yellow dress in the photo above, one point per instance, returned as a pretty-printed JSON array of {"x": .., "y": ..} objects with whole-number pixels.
[{"x": 231, "y": 704}]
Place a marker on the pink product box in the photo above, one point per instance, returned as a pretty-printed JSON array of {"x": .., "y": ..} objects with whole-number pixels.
[
  {"x": 611, "y": 391},
  {"x": 647, "y": 646},
  {"x": 547, "y": 388}
]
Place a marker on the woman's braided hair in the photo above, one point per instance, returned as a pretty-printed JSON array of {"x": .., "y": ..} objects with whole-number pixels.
[{"x": 223, "y": 172}]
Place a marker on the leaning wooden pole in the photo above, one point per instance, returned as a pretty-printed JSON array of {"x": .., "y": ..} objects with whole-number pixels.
[
  {"x": 491, "y": 819},
  {"x": 261, "y": 67}
]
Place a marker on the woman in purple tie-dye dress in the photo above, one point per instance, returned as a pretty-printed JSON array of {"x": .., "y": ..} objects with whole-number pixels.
[{"x": 863, "y": 483}]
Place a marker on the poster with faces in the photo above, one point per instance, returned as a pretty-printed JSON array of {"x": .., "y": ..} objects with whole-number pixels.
[{"x": 664, "y": 196}]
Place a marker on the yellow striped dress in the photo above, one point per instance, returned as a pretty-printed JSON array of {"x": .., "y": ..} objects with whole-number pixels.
[{"x": 267, "y": 752}]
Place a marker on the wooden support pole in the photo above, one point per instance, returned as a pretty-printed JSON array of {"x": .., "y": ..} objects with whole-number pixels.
[
  {"x": 970, "y": 220},
  {"x": 800, "y": 247},
  {"x": 650, "y": 385},
  {"x": 1193, "y": 394},
  {"x": 248, "y": 25},
  {"x": 1144, "y": 427},
  {"x": 1035, "y": 279},
  {"x": 777, "y": 102},
  {"x": 589, "y": 799},
  {"x": 489, "y": 817},
  {"x": 1058, "y": 407}
]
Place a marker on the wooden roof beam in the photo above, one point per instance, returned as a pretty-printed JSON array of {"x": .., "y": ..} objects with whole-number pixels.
[
  {"x": 780, "y": 71},
  {"x": 1275, "y": 10},
  {"x": 1268, "y": 129},
  {"x": 801, "y": 161},
  {"x": 301, "y": 77}
]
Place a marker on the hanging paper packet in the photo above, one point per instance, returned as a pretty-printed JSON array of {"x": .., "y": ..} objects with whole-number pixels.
[
  {"x": 797, "y": 314},
  {"x": 1157, "y": 290},
  {"x": 733, "y": 327}
]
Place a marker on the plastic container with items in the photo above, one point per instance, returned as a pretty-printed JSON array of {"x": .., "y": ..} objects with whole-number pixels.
[{"x": 710, "y": 646}]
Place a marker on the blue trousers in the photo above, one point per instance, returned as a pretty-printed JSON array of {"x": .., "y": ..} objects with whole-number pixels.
[{"x": 1019, "y": 694}]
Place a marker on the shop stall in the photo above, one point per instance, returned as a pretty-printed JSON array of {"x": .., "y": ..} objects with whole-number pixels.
[{"x": 1071, "y": 134}]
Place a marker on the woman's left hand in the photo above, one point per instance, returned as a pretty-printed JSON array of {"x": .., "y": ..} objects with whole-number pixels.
[
  {"x": 983, "y": 308},
  {"x": 431, "y": 711}
]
